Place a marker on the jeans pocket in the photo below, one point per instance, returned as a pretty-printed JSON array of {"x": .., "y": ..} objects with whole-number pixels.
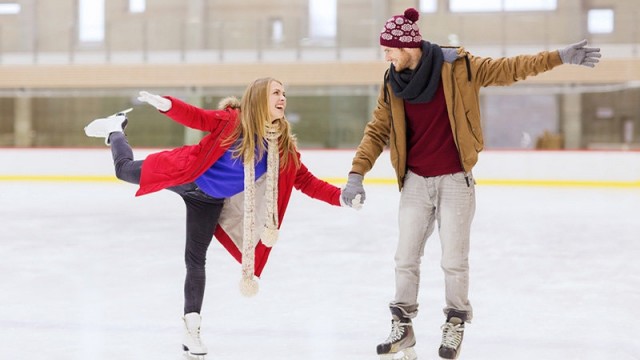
[
  {"x": 460, "y": 177},
  {"x": 465, "y": 179}
]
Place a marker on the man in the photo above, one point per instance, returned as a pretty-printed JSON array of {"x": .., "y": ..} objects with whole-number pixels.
[{"x": 428, "y": 113}]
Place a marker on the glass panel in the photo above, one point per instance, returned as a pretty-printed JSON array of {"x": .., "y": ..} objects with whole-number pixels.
[
  {"x": 322, "y": 18},
  {"x": 501, "y": 5},
  {"x": 474, "y": 5},
  {"x": 277, "y": 31},
  {"x": 91, "y": 22},
  {"x": 137, "y": 6},
  {"x": 601, "y": 21},
  {"x": 9, "y": 8},
  {"x": 428, "y": 6},
  {"x": 530, "y": 5}
]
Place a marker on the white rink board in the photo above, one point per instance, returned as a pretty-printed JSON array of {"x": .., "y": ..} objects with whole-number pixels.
[{"x": 596, "y": 166}]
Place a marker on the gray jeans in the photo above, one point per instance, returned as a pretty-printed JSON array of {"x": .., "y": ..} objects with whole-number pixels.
[{"x": 448, "y": 200}]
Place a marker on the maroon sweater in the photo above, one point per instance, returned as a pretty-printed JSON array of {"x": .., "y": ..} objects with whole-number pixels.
[{"x": 431, "y": 150}]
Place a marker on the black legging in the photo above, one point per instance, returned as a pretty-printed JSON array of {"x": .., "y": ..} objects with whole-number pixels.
[{"x": 203, "y": 212}]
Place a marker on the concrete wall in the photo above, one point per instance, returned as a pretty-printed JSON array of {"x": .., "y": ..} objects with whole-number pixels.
[
  {"x": 208, "y": 47},
  {"x": 205, "y": 24}
]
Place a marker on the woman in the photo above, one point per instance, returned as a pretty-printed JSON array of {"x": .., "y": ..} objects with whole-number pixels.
[{"x": 236, "y": 183}]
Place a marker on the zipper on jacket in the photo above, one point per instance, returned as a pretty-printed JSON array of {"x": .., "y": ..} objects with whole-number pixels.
[
  {"x": 466, "y": 60},
  {"x": 453, "y": 99},
  {"x": 387, "y": 100}
]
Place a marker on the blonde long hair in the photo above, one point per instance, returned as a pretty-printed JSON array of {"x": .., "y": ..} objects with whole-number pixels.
[{"x": 251, "y": 130}]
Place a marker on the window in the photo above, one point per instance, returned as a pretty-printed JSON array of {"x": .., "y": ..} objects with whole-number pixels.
[
  {"x": 428, "y": 6},
  {"x": 474, "y": 5},
  {"x": 137, "y": 6},
  {"x": 530, "y": 5},
  {"x": 322, "y": 19},
  {"x": 9, "y": 8},
  {"x": 91, "y": 20},
  {"x": 501, "y": 5},
  {"x": 277, "y": 30},
  {"x": 600, "y": 21}
]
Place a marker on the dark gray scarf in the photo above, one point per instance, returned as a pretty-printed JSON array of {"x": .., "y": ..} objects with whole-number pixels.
[{"x": 419, "y": 85}]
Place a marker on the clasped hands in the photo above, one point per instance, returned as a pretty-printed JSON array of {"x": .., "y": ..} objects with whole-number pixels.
[{"x": 353, "y": 194}]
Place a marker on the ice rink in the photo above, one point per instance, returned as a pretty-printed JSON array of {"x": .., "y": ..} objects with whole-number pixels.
[{"x": 88, "y": 271}]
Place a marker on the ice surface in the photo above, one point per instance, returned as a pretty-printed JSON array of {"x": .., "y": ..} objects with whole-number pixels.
[{"x": 88, "y": 271}]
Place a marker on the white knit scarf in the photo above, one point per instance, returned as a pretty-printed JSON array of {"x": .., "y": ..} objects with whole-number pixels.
[{"x": 248, "y": 285}]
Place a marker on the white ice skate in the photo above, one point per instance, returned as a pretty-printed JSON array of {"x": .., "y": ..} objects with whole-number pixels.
[
  {"x": 103, "y": 127},
  {"x": 191, "y": 342}
]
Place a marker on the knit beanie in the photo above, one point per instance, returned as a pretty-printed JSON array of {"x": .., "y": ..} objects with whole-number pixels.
[{"x": 402, "y": 31}]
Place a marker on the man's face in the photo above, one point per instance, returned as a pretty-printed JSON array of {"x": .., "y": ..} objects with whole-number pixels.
[{"x": 400, "y": 58}]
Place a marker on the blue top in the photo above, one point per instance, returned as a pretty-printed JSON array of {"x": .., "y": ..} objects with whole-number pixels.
[{"x": 225, "y": 177}]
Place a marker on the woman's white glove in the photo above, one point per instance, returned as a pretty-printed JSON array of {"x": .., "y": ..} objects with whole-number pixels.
[
  {"x": 161, "y": 103},
  {"x": 356, "y": 203}
]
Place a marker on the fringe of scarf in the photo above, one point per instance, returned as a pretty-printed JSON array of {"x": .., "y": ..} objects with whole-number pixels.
[{"x": 269, "y": 236}]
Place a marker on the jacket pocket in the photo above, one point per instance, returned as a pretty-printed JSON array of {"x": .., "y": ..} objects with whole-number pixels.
[{"x": 475, "y": 129}]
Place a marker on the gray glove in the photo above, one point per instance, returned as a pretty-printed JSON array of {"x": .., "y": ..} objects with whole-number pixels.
[
  {"x": 353, "y": 193},
  {"x": 578, "y": 54}
]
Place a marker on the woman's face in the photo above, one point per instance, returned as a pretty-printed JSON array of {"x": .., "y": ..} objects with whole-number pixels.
[{"x": 277, "y": 100}]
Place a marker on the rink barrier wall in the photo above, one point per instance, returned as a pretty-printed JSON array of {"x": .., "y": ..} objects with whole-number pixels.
[{"x": 618, "y": 169}]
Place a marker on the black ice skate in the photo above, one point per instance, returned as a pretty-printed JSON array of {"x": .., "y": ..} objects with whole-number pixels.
[
  {"x": 452, "y": 333},
  {"x": 399, "y": 345}
]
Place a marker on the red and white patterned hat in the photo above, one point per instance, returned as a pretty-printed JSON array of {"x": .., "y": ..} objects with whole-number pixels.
[{"x": 402, "y": 31}]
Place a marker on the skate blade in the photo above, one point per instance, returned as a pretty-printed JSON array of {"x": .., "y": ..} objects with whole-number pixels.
[
  {"x": 188, "y": 356},
  {"x": 404, "y": 354},
  {"x": 121, "y": 112}
]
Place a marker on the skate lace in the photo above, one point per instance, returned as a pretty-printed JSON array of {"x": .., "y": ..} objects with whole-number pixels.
[
  {"x": 452, "y": 335},
  {"x": 397, "y": 331},
  {"x": 195, "y": 336}
]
